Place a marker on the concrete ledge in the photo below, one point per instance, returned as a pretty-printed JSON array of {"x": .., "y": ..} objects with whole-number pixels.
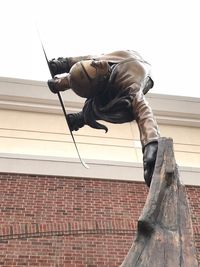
[
  {"x": 69, "y": 167},
  {"x": 28, "y": 95}
]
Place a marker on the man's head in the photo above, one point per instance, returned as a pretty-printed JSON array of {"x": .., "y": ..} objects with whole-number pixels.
[{"x": 88, "y": 77}]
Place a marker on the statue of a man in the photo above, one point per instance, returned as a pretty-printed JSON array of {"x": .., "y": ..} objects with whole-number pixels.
[{"x": 114, "y": 85}]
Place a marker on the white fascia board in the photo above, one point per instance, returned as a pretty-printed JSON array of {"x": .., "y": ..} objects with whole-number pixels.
[
  {"x": 28, "y": 95},
  {"x": 69, "y": 167}
]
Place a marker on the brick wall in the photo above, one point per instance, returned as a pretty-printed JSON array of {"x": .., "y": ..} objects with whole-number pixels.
[{"x": 72, "y": 222}]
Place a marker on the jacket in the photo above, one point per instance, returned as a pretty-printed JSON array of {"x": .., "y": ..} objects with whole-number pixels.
[{"x": 130, "y": 72}]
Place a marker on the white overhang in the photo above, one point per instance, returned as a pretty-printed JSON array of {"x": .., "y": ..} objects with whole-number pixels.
[
  {"x": 19, "y": 94},
  {"x": 28, "y": 95}
]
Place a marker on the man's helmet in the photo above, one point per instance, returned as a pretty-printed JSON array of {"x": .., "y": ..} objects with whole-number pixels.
[{"x": 88, "y": 77}]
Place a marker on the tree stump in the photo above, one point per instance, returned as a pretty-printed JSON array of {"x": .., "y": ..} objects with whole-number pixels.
[{"x": 164, "y": 236}]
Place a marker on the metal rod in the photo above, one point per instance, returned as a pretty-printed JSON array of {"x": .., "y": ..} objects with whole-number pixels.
[{"x": 63, "y": 108}]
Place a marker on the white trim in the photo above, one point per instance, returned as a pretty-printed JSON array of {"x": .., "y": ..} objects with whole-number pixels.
[
  {"x": 28, "y": 95},
  {"x": 68, "y": 167},
  {"x": 34, "y": 96}
]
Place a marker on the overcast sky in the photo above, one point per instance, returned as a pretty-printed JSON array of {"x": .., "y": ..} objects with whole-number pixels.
[{"x": 164, "y": 32}]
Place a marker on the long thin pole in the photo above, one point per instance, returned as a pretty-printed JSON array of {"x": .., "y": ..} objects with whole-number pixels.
[{"x": 63, "y": 108}]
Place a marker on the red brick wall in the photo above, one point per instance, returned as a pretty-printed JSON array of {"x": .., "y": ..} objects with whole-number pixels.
[{"x": 56, "y": 221}]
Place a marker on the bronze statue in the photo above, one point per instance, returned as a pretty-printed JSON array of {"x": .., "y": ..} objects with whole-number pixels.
[{"x": 114, "y": 85}]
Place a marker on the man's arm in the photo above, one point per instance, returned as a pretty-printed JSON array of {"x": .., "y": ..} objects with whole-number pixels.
[
  {"x": 149, "y": 132},
  {"x": 145, "y": 119}
]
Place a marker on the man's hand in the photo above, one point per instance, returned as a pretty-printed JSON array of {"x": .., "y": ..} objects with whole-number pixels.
[
  {"x": 53, "y": 85},
  {"x": 149, "y": 159},
  {"x": 59, "y": 65},
  {"x": 59, "y": 84},
  {"x": 75, "y": 121}
]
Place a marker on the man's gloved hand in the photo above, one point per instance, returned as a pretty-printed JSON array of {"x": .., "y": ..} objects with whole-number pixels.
[
  {"x": 75, "y": 121},
  {"x": 58, "y": 84},
  {"x": 52, "y": 84},
  {"x": 149, "y": 159},
  {"x": 59, "y": 65}
]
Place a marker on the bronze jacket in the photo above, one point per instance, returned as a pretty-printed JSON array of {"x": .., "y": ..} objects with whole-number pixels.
[{"x": 130, "y": 71}]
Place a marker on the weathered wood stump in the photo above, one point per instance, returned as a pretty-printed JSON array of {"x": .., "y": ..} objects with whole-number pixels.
[{"x": 164, "y": 236}]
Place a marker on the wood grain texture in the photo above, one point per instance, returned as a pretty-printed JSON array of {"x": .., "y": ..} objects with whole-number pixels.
[{"x": 164, "y": 236}]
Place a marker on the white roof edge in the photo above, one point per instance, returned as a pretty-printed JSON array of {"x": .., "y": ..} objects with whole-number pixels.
[
  {"x": 22, "y": 81},
  {"x": 70, "y": 167},
  {"x": 149, "y": 96},
  {"x": 178, "y": 110}
]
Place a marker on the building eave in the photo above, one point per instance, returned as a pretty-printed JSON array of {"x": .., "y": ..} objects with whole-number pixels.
[{"x": 34, "y": 96}]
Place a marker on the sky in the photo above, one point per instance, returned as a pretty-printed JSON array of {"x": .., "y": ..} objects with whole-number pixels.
[{"x": 164, "y": 32}]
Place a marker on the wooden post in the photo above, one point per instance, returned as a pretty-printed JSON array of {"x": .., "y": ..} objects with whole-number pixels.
[{"x": 164, "y": 236}]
